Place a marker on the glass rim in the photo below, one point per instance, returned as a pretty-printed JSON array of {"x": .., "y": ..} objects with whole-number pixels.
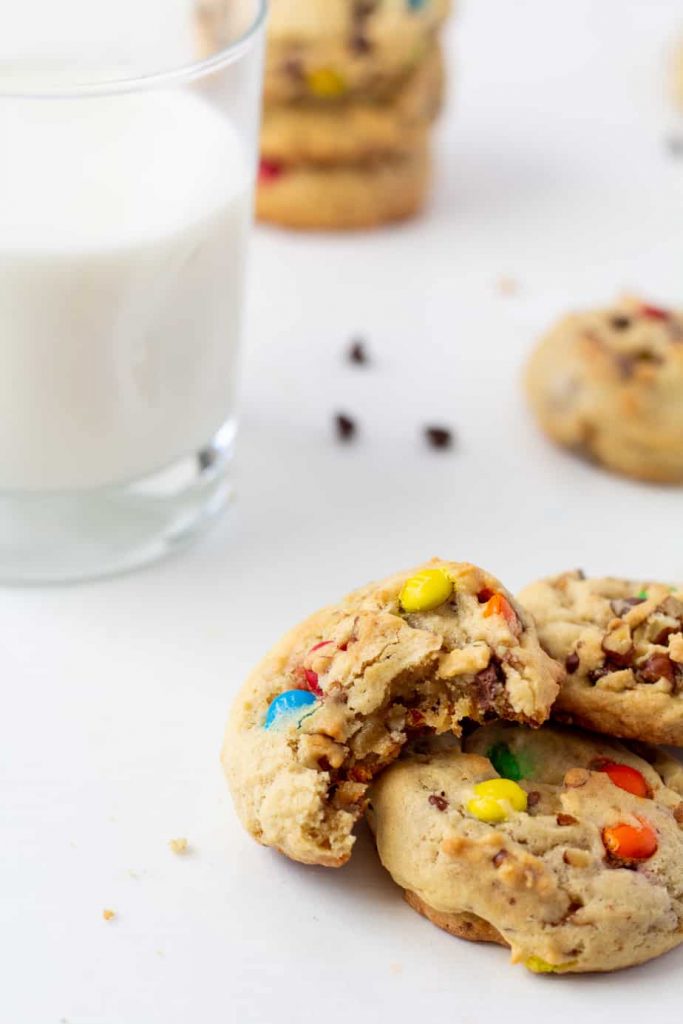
[{"x": 153, "y": 79}]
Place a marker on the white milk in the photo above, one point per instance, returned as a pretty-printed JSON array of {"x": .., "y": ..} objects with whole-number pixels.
[{"x": 123, "y": 224}]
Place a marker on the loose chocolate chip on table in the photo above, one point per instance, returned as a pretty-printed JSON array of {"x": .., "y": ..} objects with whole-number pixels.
[
  {"x": 439, "y": 437},
  {"x": 345, "y": 426},
  {"x": 358, "y": 352}
]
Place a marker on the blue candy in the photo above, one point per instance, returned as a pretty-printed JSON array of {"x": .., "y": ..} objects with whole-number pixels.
[
  {"x": 291, "y": 703},
  {"x": 416, "y": 5}
]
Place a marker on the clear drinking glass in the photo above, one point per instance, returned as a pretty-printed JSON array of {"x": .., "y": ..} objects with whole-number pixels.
[{"x": 127, "y": 161}]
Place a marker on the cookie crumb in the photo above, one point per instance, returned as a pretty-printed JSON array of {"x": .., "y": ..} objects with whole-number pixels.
[
  {"x": 108, "y": 914},
  {"x": 358, "y": 353},
  {"x": 179, "y": 845},
  {"x": 506, "y": 285},
  {"x": 345, "y": 426},
  {"x": 439, "y": 437}
]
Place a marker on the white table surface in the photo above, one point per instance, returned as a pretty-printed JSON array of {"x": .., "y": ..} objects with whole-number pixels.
[{"x": 553, "y": 170}]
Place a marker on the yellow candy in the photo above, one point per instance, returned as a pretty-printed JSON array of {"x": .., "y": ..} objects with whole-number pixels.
[
  {"x": 326, "y": 83},
  {"x": 425, "y": 591},
  {"x": 493, "y": 798},
  {"x": 539, "y": 966}
]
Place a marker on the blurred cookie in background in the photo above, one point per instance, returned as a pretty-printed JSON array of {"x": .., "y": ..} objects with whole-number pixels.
[
  {"x": 338, "y": 49},
  {"x": 360, "y": 195},
  {"x": 608, "y": 384}
]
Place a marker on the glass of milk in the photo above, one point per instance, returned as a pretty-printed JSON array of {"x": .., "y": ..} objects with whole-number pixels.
[{"x": 127, "y": 158}]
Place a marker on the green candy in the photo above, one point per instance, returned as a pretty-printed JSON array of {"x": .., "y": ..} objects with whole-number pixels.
[
  {"x": 505, "y": 762},
  {"x": 642, "y": 595}
]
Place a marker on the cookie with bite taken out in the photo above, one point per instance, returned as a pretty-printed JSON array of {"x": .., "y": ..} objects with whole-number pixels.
[{"x": 337, "y": 699}]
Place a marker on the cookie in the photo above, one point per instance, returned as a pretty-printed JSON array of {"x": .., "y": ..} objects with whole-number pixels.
[
  {"x": 566, "y": 847},
  {"x": 609, "y": 384},
  {"x": 355, "y": 132},
  {"x": 338, "y": 697},
  {"x": 344, "y": 197},
  {"x": 327, "y": 50},
  {"x": 622, "y": 645}
]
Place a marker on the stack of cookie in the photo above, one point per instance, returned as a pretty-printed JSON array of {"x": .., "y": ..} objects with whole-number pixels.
[
  {"x": 351, "y": 90},
  {"x": 422, "y": 700}
]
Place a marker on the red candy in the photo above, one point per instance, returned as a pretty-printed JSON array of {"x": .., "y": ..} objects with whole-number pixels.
[
  {"x": 655, "y": 313},
  {"x": 625, "y": 777},
  {"x": 624, "y": 842},
  {"x": 312, "y": 682},
  {"x": 269, "y": 171}
]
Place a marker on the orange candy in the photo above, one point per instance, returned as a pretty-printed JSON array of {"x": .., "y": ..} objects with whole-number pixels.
[
  {"x": 625, "y": 777},
  {"x": 625, "y": 842},
  {"x": 499, "y": 605}
]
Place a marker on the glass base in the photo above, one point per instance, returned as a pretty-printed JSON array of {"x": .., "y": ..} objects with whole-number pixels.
[{"x": 60, "y": 538}]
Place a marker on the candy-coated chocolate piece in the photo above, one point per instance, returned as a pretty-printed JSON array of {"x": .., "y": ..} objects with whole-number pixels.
[
  {"x": 540, "y": 966},
  {"x": 326, "y": 83},
  {"x": 505, "y": 762},
  {"x": 425, "y": 591},
  {"x": 311, "y": 678},
  {"x": 292, "y": 705},
  {"x": 416, "y": 5},
  {"x": 269, "y": 170},
  {"x": 655, "y": 312},
  {"x": 642, "y": 595},
  {"x": 626, "y": 842},
  {"x": 499, "y": 605},
  {"x": 493, "y": 799},
  {"x": 625, "y": 777}
]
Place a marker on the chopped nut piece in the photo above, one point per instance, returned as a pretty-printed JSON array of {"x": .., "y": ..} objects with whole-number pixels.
[
  {"x": 179, "y": 845},
  {"x": 576, "y": 777}
]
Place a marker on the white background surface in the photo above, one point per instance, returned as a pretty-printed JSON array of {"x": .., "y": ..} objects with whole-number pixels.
[{"x": 552, "y": 169}]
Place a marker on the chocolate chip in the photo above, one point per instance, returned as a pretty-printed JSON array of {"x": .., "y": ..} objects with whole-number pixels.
[
  {"x": 489, "y": 686},
  {"x": 500, "y": 857},
  {"x": 345, "y": 426},
  {"x": 438, "y": 801},
  {"x": 566, "y": 819},
  {"x": 357, "y": 352},
  {"x": 533, "y": 798},
  {"x": 572, "y": 662},
  {"x": 658, "y": 666},
  {"x": 438, "y": 437},
  {"x": 360, "y": 44},
  {"x": 293, "y": 67},
  {"x": 621, "y": 323},
  {"x": 678, "y": 813}
]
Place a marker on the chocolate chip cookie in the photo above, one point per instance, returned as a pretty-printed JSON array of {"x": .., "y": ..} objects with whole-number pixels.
[
  {"x": 609, "y": 385},
  {"x": 345, "y": 196},
  {"x": 338, "y": 697},
  {"x": 566, "y": 847},
  {"x": 359, "y": 132},
  {"x": 327, "y": 50},
  {"x": 621, "y": 643}
]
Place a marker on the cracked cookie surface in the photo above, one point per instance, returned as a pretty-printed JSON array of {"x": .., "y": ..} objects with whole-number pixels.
[
  {"x": 621, "y": 642},
  {"x": 338, "y": 697},
  {"x": 609, "y": 385},
  {"x": 588, "y": 876}
]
